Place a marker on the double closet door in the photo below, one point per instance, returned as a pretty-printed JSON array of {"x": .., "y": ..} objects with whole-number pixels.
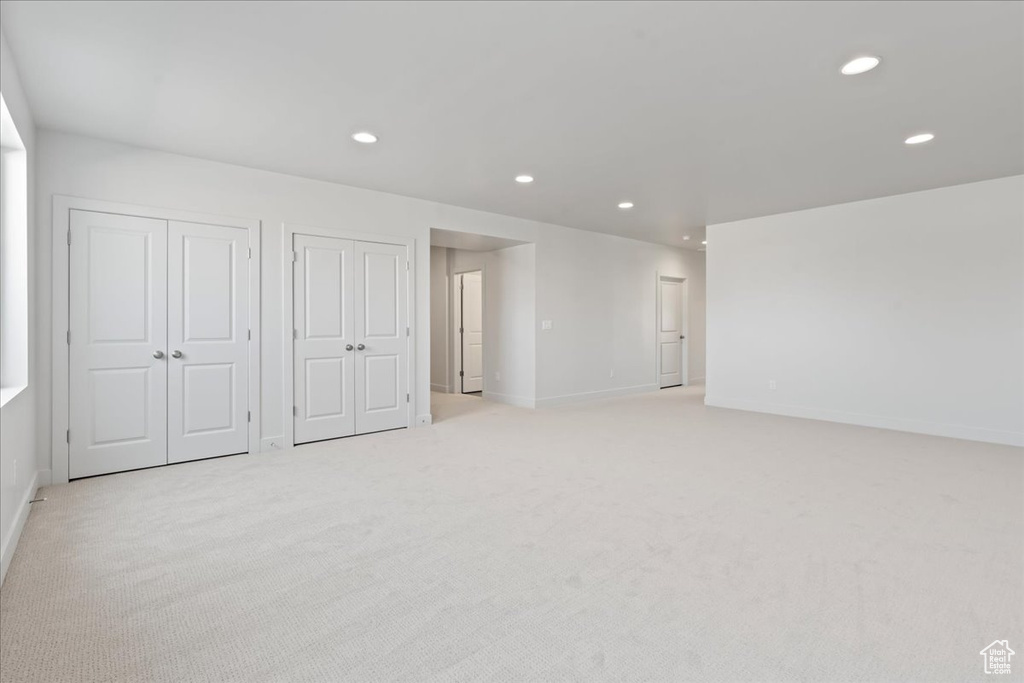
[
  {"x": 158, "y": 342},
  {"x": 351, "y": 337}
]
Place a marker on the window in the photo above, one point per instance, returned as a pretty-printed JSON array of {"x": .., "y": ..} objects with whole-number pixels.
[{"x": 13, "y": 259}]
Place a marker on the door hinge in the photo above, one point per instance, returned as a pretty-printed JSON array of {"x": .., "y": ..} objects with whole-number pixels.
[
  {"x": 295, "y": 256},
  {"x": 249, "y": 416},
  {"x": 250, "y": 335},
  {"x": 407, "y": 398},
  {"x": 68, "y": 436},
  {"x": 461, "y": 373},
  {"x": 250, "y": 252},
  {"x": 295, "y": 334},
  {"x": 406, "y": 330},
  {"x": 461, "y": 331},
  {"x": 295, "y": 411},
  {"x": 69, "y": 337},
  {"x": 69, "y": 238},
  {"x": 407, "y": 265}
]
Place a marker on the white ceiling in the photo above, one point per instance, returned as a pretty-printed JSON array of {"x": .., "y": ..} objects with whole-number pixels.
[{"x": 697, "y": 112}]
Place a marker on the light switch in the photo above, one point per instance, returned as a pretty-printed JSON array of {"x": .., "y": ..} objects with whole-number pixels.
[{"x": 545, "y": 324}]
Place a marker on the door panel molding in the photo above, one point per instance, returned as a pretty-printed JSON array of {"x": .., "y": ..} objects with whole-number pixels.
[
  {"x": 323, "y": 338},
  {"x": 119, "y": 314},
  {"x": 60, "y": 225},
  {"x": 288, "y": 233},
  {"x": 381, "y": 378},
  {"x": 208, "y": 304}
]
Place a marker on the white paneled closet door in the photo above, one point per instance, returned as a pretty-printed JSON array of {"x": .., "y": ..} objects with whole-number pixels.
[
  {"x": 117, "y": 343},
  {"x": 382, "y": 349},
  {"x": 324, "y": 346},
  {"x": 208, "y": 341},
  {"x": 351, "y": 348}
]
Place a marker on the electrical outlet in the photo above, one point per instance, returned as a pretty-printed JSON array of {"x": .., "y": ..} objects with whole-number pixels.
[
  {"x": 424, "y": 420},
  {"x": 545, "y": 324},
  {"x": 771, "y": 384},
  {"x": 611, "y": 373}
]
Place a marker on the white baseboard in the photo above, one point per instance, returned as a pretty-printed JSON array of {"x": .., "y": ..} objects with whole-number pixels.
[
  {"x": 441, "y": 388},
  {"x": 879, "y": 421},
  {"x": 11, "y": 541},
  {"x": 424, "y": 420},
  {"x": 44, "y": 478},
  {"x": 508, "y": 399},
  {"x": 694, "y": 380},
  {"x": 566, "y": 399}
]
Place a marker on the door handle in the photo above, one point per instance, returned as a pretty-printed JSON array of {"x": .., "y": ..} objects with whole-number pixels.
[
  {"x": 349, "y": 347},
  {"x": 361, "y": 347},
  {"x": 682, "y": 337},
  {"x": 176, "y": 354},
  {"x": 158, "y": 354}
]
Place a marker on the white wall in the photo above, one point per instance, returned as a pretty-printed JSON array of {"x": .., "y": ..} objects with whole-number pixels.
[
  {"x": 580, "y": 304},
  {"x": 905, "y": 312},
  {"x": 603, "y": 317},
  {"x": 510, "y": 327},
  {"x": 439, "y": 319},
  {"x": 19, "y": 460}
]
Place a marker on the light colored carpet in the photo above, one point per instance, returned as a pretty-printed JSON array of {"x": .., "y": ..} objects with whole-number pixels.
[{"x": 642, "y": 538}]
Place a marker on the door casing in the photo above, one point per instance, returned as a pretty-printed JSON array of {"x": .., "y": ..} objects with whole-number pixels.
[
  {"x": 288, "y": 232},
  {"x": 60, "y": 224}
]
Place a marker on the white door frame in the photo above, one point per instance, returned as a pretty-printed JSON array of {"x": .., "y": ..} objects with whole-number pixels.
[
  {"x": 454, "y": 350},
  {"x": 288, "y": 232},
  {"x": 60, "y": 403},
  {"x": 658, "y": 276}
]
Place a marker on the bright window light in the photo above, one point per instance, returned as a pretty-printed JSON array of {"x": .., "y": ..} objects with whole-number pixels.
[{"x": 13, "y": 259}]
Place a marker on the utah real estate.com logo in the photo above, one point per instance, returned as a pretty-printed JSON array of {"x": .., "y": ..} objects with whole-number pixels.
[{"x": 997, "y": 657}]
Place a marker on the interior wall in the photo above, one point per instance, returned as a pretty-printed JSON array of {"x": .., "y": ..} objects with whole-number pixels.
[
  {"x": 905, "y": 312},
  {"x": 439, "y": 313},
  {"x": 603, "y": 340},
  {"x": 19, "y": 460},
  {"x": 573, "y": 267}
]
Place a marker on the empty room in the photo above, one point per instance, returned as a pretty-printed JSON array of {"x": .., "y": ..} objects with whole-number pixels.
[{"x": 511, "y": 341}]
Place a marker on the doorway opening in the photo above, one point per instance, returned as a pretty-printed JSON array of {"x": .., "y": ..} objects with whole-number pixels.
[{"x": 482, "y": 314}]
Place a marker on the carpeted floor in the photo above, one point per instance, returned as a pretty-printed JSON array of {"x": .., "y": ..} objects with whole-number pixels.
[{"x": 642, "y": 538}]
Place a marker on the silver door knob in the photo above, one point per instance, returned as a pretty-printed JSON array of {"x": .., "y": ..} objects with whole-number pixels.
[
  {"x": 176, "y": 354},
  {"x": 361, "y": 347},
  {"x": 349, "y": 347},
  {"x": 158, "y": 354}
]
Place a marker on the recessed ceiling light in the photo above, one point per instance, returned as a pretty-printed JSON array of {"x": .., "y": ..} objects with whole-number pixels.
[
  {"x": 625, "y": 205},
  {"x": 686, "y": 237},
  {"x": 919, "y": 138},
  {"x": 364, "y": 137},
  {"x": 704, "y": 242},
  {"x": 524, "y": 179},
  {"x": 859, "y": 65}
]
